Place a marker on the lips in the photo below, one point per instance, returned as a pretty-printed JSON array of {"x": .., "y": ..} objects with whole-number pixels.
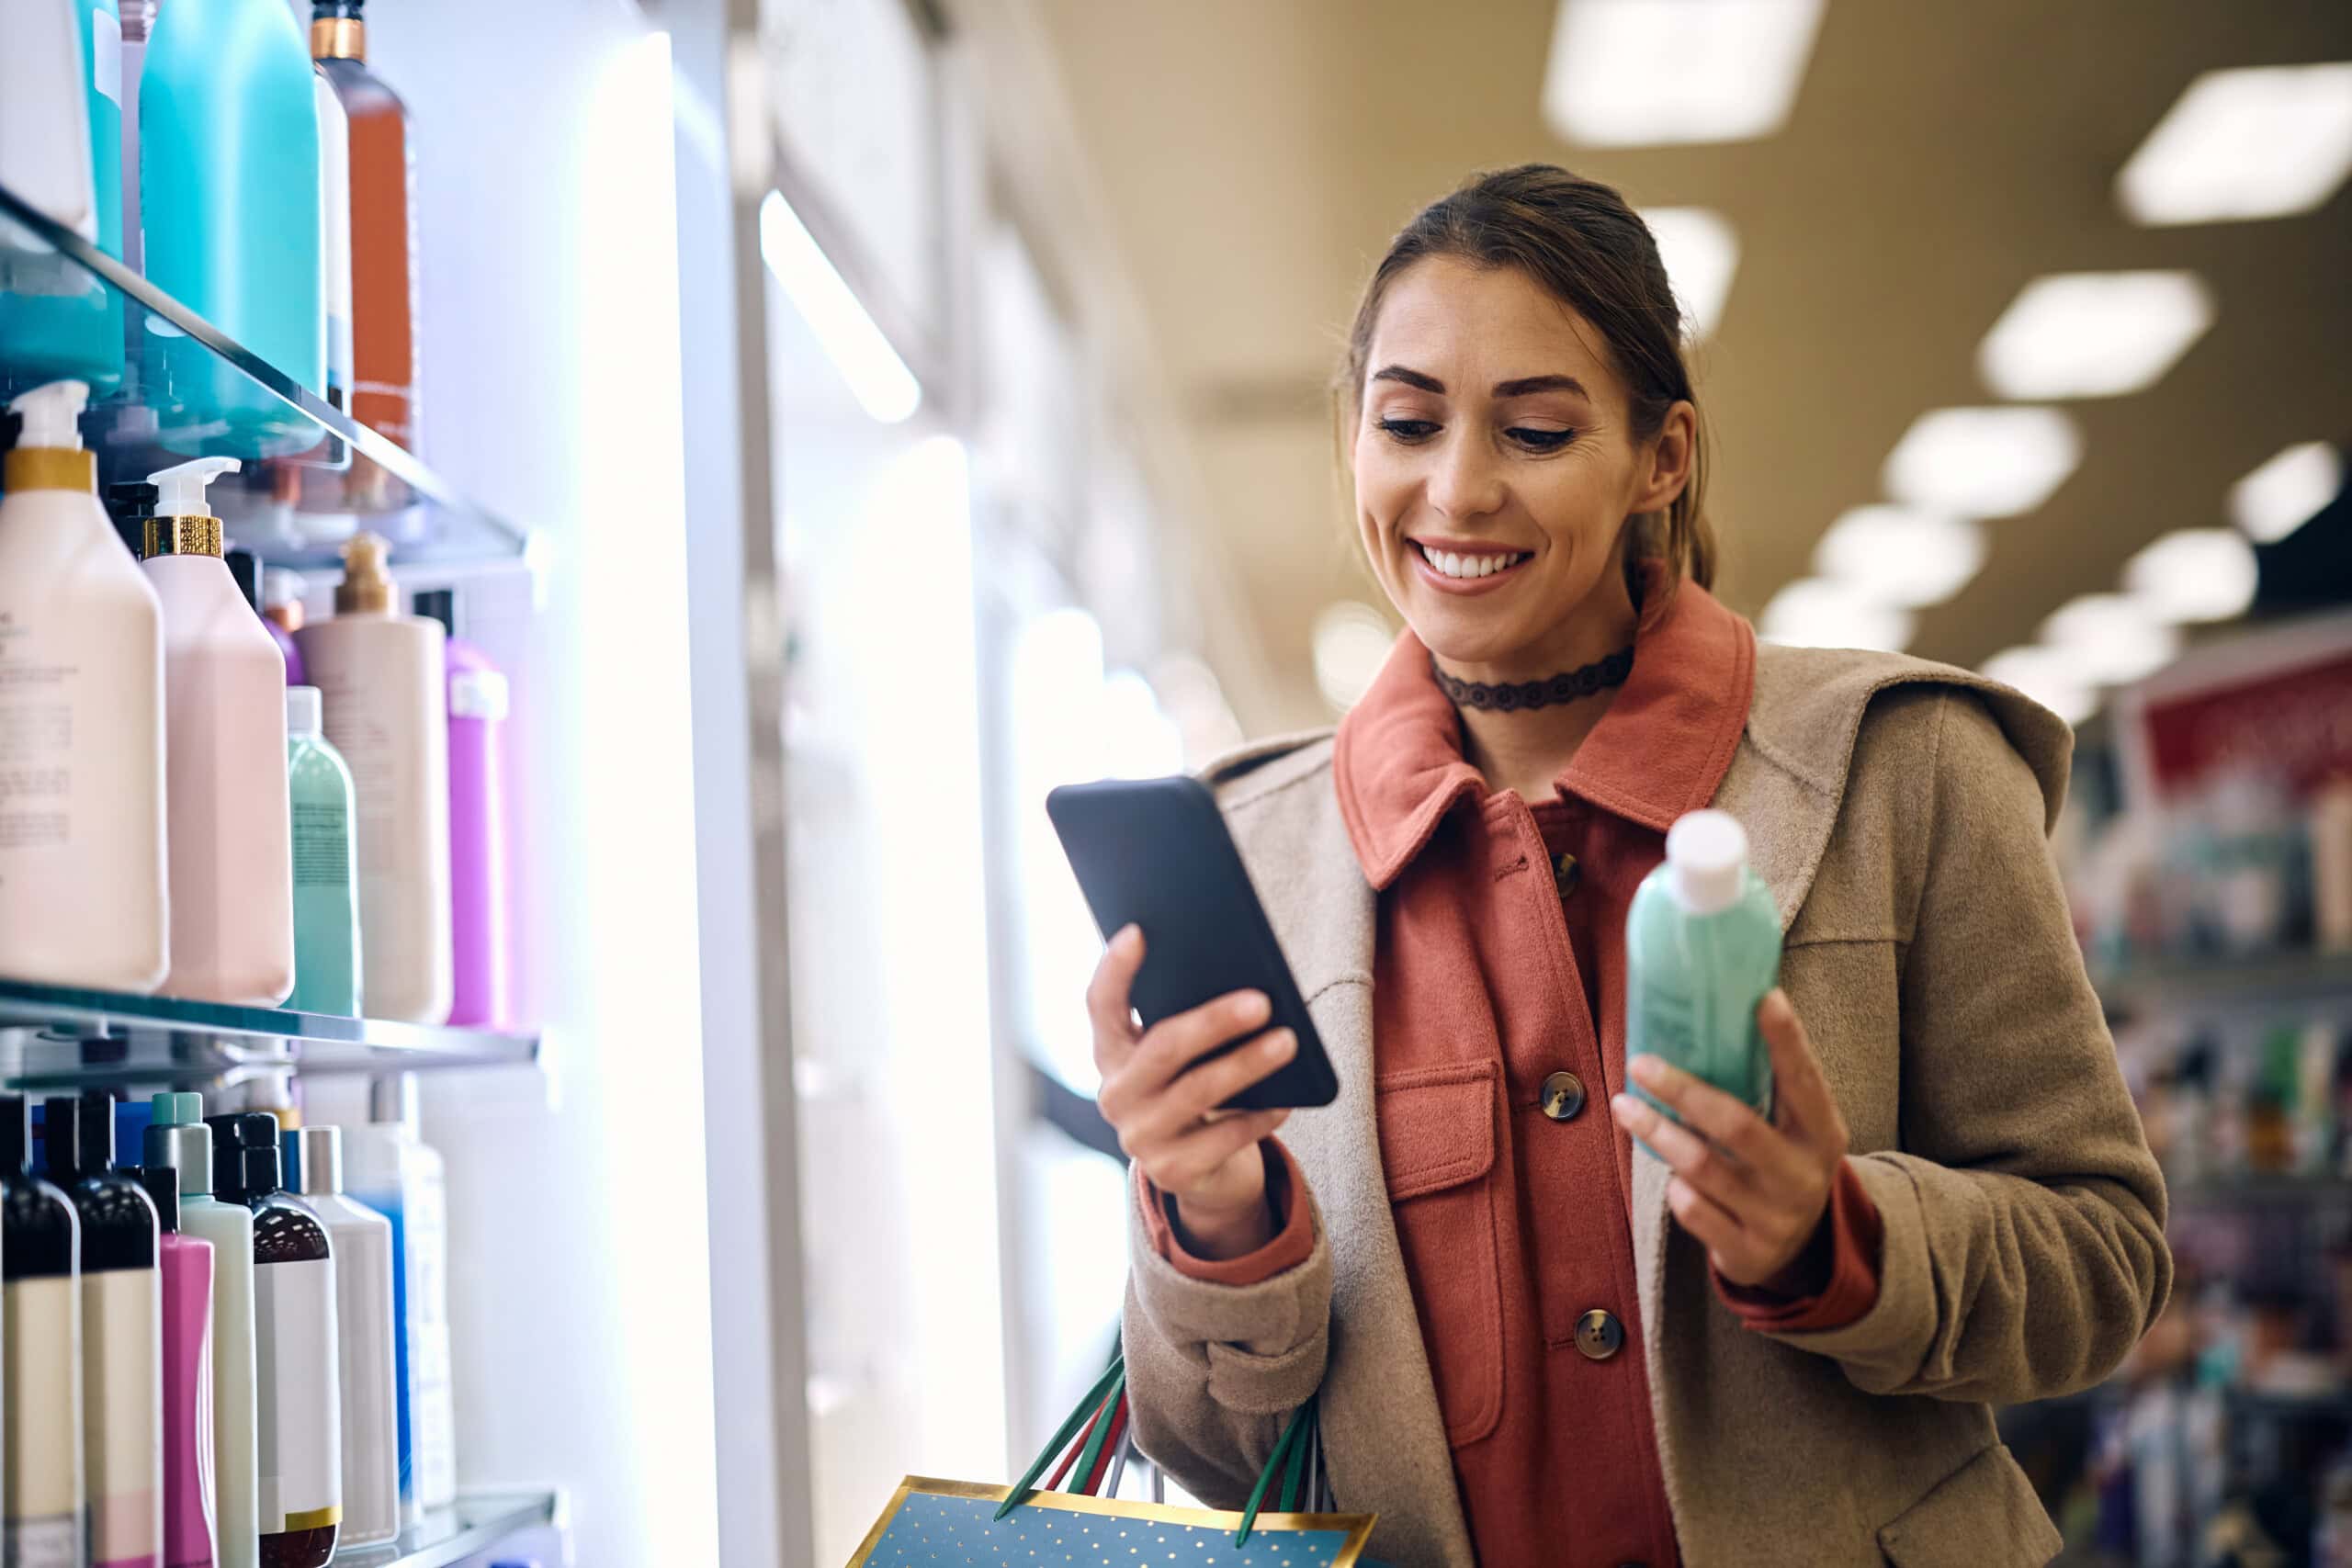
[{"x": 1459, "y": 567}]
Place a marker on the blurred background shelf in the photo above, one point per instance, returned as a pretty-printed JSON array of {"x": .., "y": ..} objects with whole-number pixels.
[
  {"x": 2213, "y": 986},
  {"x": 139, "y": 425},
  {"x": 54, "y": 1039},
  {"x": 448, "y": 1535}
]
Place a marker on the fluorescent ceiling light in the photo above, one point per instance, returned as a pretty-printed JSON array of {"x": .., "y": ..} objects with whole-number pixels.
[
  {"x": 2094, "y": 335},
  {"x": 2110, "y": 639},
  {"x": 1644, "y": 73},
  {"x": 1701, "y": 252},
  {"x": 1352, "y": 642},
  {"x": 878, "y": 377},
  {"x": 2265, "y": 142},
  {"x": 1983, "y": 462},
  {"x": 1815, "y": 611},
  {"x": 2049, "y": 677},
  {"x": 1900, "y": 555},
  {"x": 2194, "y": 574},
  {"x": 2287, "y": 491}
]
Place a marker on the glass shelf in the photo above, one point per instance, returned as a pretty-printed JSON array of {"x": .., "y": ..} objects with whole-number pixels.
[
  {"x": 2223, "y": 986},
  {"x": 167, "y": 386},
  {"x": 446, "y": 1536},
  {"x": 53, "y": 1038}
]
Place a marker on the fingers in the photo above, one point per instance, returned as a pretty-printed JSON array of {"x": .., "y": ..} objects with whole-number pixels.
[
  {"x": 1722, "y": 1118},
  {"x": 1721, "y": 1180},
  {"x": 1713, "y": 1226},
  {"x": 1173, "y": 1044},
  {"x": 1803, "y": 1101},
  {"x": 1181, "y": 1163},
  {"x": 1199, "y": 1092},
  {"x": 1106, "y": 999}
]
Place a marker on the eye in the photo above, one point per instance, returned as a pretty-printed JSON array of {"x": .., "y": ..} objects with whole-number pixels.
[
  {"x": 1541, "y": 440},
  {"x": 1408, "y": 431}
]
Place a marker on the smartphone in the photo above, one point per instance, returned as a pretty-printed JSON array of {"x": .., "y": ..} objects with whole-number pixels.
[{"x": 1155, "y": 853}]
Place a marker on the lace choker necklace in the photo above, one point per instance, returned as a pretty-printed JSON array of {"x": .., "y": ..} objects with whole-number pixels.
[{"x": 1513, "y": 696}]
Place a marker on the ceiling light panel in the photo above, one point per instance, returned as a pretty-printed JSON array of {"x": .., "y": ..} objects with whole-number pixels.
[
  {"x": 2111, "y": 639},
  {"x": 2049, "y": 677},
  {"x": 1649, "y": 72},
  {"x": 2265, "y": 142},
  {"x": 1701, "y": 251},
  {"x": 2094, "y": 335},
  {"x": 2195, "y": 574},
  {"x": 1817, "y": 612},
  {"x": 1901, "y": 555},
  {"x": 1983, "y": 462},
  {"x": 2287, "y": 491}
]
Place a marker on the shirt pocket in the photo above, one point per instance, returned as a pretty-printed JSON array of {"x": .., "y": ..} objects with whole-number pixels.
[{"x": 1437, "y": 1147}]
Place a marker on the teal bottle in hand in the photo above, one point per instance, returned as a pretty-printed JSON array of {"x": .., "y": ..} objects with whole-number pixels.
[{"x": 1702, "y": 949}]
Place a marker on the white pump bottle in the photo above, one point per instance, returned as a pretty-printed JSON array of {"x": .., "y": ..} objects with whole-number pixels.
[
  {"x": 82, "y": 860},
  {"x": 224, "y": 778}
]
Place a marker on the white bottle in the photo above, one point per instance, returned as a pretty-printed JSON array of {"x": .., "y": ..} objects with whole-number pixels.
[
  {"x": 177, "y": 1137},
  {"x": 224, "y": 776},
  {"x": 82, "y": 856},
  {"x": 367, "y": 1359},
  {"x": 382, "y": 678},
  {"x": 335, "y": 231},
  {"x": 45, "y": 117},
  {"x": 388, "y": 1167}
]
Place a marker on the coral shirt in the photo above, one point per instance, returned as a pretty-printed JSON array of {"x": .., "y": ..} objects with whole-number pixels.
[{"x": 1500, "y": 963}]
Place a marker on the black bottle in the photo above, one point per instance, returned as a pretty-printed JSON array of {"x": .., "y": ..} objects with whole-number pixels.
[
  {"x": 295, "y": 1374},
  {"x": 40, "y": 1261},
  {"x": 122, "y": 1314}
]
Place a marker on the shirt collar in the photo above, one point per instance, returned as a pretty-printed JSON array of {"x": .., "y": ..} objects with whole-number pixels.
[{"x": 1660, "y": 751}]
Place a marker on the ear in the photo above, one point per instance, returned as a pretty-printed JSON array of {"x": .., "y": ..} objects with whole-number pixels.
[{"x": 1671, "y": 459}]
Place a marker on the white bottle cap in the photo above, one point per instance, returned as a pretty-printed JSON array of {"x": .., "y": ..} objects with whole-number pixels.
[
  {"x": 51, "y": 414},
  {"x": 180, "y": 487},
  {"x": 1706, "y": 853},
  {"x": 301, "y": 710},
  {"x": 279, "y": 586}
]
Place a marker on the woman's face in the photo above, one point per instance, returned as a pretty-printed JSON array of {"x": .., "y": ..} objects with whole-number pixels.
[{"x": 1495, "y": 470}]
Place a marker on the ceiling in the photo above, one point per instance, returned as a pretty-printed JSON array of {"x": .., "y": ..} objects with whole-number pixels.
[{"x": 1243, "y": 161}]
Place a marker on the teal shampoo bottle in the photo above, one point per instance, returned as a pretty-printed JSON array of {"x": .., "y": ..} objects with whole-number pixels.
[
  {"x": 1702, "y": 948},
  {"x": 326, "y": 864},
  {"x": 58, "y": 321},
  {"x": 229, "y": 201}
]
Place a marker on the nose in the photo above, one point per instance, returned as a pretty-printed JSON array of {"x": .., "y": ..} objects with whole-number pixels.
[{"x": 1465, "y": 480}]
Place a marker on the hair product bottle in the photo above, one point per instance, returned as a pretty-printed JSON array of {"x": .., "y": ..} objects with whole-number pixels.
[
  {"x": 281, "y": 606},
  {"x": 41, "y": 1517},
  {"x": 1703, "y": 947},
  {"x": 233, "y": 896},
  {"x": 229, "y": 194},
  {"x": 177, "y": 1140},
  {"x": 61, "y": 133},
  {"x": 381, "y": 677},
  {"x": 294, "y": 1345},
  {"x": 82, "y": 858},
  {"x": 478, "y": 878},
  {"x": 391, "y": 1171},
  {"x": 188, "y": 1527},
  {"x": 122, "y": 1306},
  {"x": 362, "y": 1240},
  {"x": 326, "y": 891}
]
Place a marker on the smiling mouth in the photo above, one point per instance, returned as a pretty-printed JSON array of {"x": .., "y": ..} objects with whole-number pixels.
[{"x": 1469, "y": 565}]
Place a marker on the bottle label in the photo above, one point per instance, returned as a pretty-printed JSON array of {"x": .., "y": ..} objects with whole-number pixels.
[
  {"x": 106, "y": 65},
  {"x": 44, "y": 1408},
  {"x": 322, "y": 845},
  {"x": 433, "y": 1431},
  {"x": 36, "y": 744},
  {"x": 301, "y": 1427},
  {"x": 386, "y": 1201},
  {"x": 122, "y": 1393}
]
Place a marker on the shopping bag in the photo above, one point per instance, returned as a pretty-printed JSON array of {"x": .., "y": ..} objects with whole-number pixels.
[{"x": 949, "y": 1524}]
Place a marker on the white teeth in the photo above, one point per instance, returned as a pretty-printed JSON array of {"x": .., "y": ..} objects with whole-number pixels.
[{"x": 1471, "y": 568}]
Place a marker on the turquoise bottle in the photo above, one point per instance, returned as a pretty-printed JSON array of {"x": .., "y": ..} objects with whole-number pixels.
[
  {"x": 326, "y": 864},
  {"x": 58, "y": 322},
  {"x": 1702, "y": 949},
  {"x": 228, "y": 200}
]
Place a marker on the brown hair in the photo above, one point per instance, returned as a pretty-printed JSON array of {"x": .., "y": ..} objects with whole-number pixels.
[{"x": 1580, "y": 240}]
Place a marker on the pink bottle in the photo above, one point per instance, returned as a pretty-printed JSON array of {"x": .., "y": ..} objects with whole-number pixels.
[
  {"x": 479, "y": 927},
  {"x": 188, "y": 1515}
]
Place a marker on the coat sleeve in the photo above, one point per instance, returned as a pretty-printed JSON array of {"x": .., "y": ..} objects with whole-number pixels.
[
  {"x": 2023, "y": 1251},
  {"x": 1214, "y": 1370}
]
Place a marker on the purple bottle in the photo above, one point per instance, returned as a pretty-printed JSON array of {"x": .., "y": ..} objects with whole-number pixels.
[
  {"x": 189, "y": 1519},
  {"x": 477, "y": 879}
]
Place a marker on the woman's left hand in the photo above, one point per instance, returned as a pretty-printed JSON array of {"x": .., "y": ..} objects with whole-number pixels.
[{"x": 1752, "y": 1192}]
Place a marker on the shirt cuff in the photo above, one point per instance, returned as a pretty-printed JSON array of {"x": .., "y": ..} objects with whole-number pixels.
[
  {"x": 1294, "y": 1227},
  {"x": 1850, "y": 1233}
]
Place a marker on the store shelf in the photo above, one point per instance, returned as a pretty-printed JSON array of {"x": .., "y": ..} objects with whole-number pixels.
[
  {"x": 2263, "y": 1191},
  {"x": 141, "y": 424},
  {"x": 53, "y": 1038},
  {"x": 448, "y": 1535},
  {"x": 2210, "y": 987}
]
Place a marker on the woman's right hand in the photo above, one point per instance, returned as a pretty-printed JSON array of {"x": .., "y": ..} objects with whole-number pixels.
[{"x": 1208, "y": 1161}]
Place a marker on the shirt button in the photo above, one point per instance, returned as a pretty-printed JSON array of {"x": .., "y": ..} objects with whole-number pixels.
[
  {"x": 1566, "y": 874},
  {"x": 1562, "y": 1095},
  {"x": 1600, "y": 1335}
]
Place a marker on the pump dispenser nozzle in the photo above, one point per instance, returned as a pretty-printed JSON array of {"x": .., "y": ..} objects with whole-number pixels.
[
  {"x": 366, "y": 587},
  {"x": 48, "y": 454},
  {"x": 183, "y": 524}
]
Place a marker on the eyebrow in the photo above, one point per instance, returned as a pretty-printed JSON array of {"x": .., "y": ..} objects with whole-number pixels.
[{"x": 1519, "y": 388}]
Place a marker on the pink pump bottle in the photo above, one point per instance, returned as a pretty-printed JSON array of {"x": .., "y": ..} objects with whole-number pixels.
[{"x": 189, "y": 1523}]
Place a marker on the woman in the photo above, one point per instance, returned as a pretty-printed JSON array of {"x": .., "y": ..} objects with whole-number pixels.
[{"x": 1775, "y": 1342}]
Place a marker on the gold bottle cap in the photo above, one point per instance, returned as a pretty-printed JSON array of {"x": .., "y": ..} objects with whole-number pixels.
[
  {"x": 366, "y": 587},
  {"x": 182, "y": 536},
  {"x": 48, "y": 467},
  {"x": 338, "y": 38}
]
